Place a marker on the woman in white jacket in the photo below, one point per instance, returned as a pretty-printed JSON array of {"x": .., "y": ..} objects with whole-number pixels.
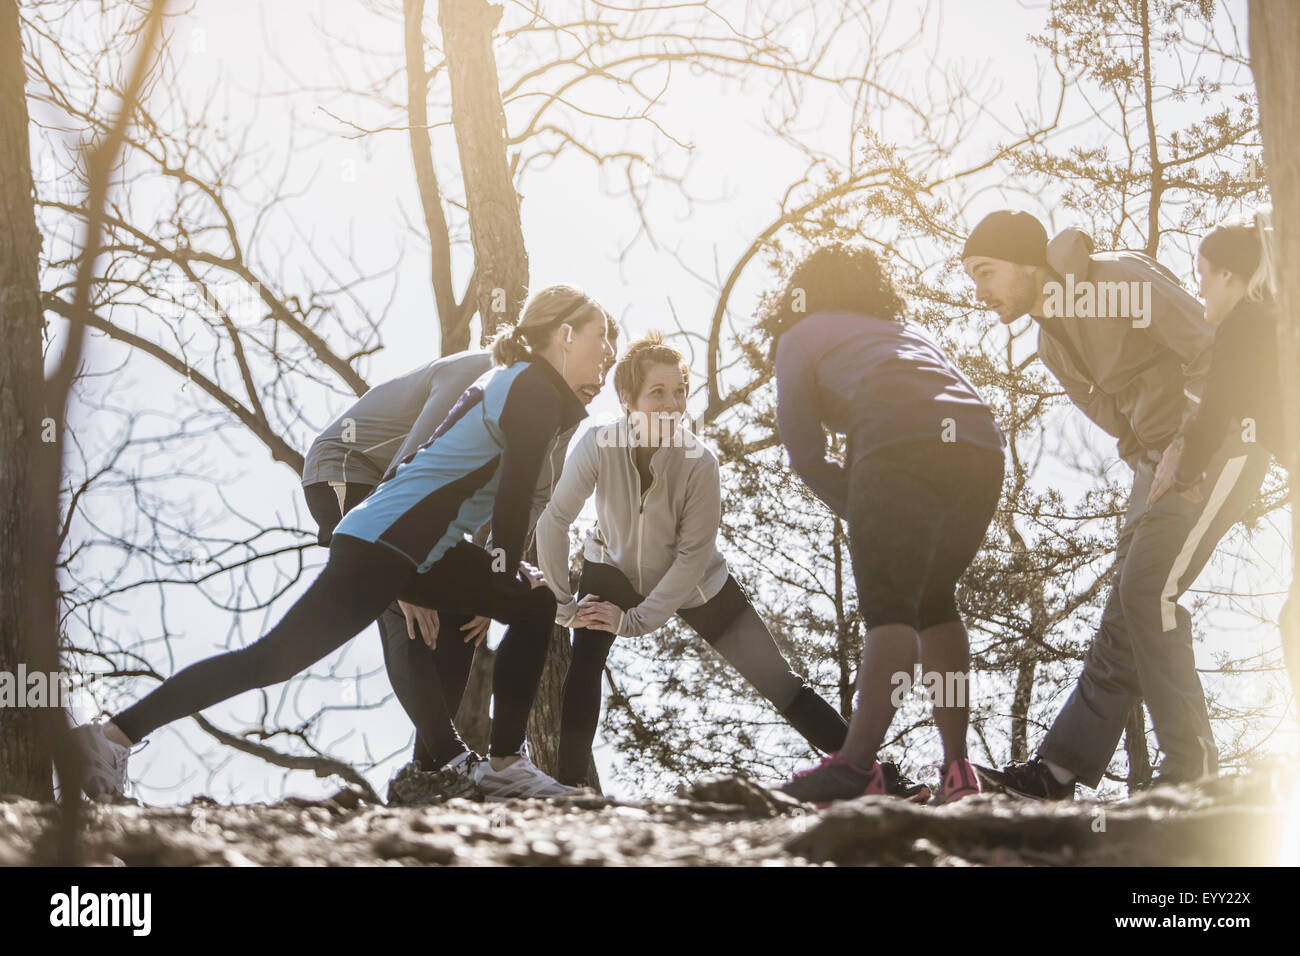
[{"x": 654, "y": 554}]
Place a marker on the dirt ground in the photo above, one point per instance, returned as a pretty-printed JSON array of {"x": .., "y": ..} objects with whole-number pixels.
[{"x": 719, "y": 821}]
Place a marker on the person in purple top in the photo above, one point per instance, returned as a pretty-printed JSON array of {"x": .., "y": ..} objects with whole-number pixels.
[{"x": 918, "y": 489}]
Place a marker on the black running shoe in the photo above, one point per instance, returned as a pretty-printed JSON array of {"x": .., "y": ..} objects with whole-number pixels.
[
  {"x": 897, "y": 784},
  {"x": 1030, "y": 781}
]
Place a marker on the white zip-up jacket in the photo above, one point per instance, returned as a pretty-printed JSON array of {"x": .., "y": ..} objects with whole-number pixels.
[{"x": 663, "y": 538}]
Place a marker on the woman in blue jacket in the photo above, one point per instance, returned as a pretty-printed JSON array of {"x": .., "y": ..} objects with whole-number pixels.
[
  {"x": 409, "y": 540},
  {"x": 918, "y": 490}
]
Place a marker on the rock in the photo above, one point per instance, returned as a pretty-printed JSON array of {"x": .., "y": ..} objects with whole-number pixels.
[
  {"x": 739, "y": 791},
  {"x": 349, "y": 798},
  {"x": 412, "y": 787},
  {"x": 426, "y": 849},
  {"x": 584, "y": 800}
]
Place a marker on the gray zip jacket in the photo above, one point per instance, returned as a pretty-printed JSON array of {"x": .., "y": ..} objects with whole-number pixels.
[
  {"x": 360, "y": 444},
  {"x": 1138, "y": 377},
  {"x": 663, "y": 538}
]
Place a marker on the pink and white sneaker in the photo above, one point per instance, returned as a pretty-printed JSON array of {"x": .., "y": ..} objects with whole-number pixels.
[{"x": 959, "y": 781}]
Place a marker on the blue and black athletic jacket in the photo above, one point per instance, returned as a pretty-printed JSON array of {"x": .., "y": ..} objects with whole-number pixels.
[{"x": 481, "y": 463}]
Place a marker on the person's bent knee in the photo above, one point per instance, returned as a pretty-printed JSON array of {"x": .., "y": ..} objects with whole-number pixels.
[{"x": 534, "y": 610}]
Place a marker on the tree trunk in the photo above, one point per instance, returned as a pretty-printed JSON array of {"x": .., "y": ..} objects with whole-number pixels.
[
  {"x": 1135, "y": 745},
  {"x": 1020, "y": 702},
  {"x": 24, "y": 762},
  {"x": 473, "y": 720},
  {"x": 452, "y": 325},
  {"x": 478, "y": 116},
  {"x": 1274, "y": 40}
]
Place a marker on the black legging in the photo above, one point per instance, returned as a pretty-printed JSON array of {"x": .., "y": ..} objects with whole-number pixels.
[
  {"x": 429, "y": 684},
  {"x": 357, "y": 583},
  {"x": 731, "y": 626}
]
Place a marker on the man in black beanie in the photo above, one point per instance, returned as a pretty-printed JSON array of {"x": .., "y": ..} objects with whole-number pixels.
[{"x": 1131, "y": 348}]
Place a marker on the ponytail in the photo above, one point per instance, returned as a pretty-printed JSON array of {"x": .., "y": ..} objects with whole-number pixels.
[
  {"x": 545, "y": 311},
  {"x": 1263, "y": 283},
  {"x": 509, "y": 346}
]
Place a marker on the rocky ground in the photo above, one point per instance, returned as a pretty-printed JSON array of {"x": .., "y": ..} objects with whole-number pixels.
[{"x": 719, "y": 821}]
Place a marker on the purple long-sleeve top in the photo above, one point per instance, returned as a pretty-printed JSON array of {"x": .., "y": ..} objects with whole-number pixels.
[{"x": 878, "y": 381}]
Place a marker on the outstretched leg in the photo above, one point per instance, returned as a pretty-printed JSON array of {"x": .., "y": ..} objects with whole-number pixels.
[
  {"x": 357, "y": 582},
  {"x": 729, "y": 622}
]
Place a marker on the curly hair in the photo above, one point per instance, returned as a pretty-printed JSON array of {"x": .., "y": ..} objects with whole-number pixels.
[{"x": 833, "y": 277}]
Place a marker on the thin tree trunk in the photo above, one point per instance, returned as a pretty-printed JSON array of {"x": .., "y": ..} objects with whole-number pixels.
[
  {"x": 1135, "y": 745},
  {"x": 478, "y": 116},
  {"x": 24, "y": 762},
  {"x": 43, "y": 467},
  {"x": 1274, "y": 40},
  {"x": 845, "y": 659},
  {"x": 1020, "y": 702},
  {"x": 454, "y": 332},
  {"x": 473, "y": 719}
]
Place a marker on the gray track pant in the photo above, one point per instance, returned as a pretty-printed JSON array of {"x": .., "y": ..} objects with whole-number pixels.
[{"x": 1143, "y": 649}]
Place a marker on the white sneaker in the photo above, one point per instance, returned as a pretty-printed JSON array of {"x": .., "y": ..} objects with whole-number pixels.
[
  {"x": 104, "y": 773},
  {"x": 463, "y": 765},
  {"x": 521, "y": 779}
]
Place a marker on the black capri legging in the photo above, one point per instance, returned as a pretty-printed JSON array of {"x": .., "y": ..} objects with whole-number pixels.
[
  {"x": 731, "y": 626},
  {"x": 357, "y": 583},
  {"x": 918, "y": 513}
]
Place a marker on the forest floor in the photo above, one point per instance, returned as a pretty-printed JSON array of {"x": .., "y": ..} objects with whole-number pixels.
[{"x": 1242, "y": 820}]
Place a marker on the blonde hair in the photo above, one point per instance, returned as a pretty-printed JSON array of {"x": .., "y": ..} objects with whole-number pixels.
[
  {"x": 545, "y": 311},
  {"x": 1263, "y": 284},
  {"x": 630, "y": 371}
]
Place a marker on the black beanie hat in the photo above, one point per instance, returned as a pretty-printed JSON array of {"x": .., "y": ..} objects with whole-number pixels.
[{"x": 1008, "y": 235}]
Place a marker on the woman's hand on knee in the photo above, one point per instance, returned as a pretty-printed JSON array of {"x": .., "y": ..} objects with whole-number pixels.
[
  {"x": 598, "y": 615},
  {"x": 476, "y": 629},
  {"x": 426, "y": 618}
]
